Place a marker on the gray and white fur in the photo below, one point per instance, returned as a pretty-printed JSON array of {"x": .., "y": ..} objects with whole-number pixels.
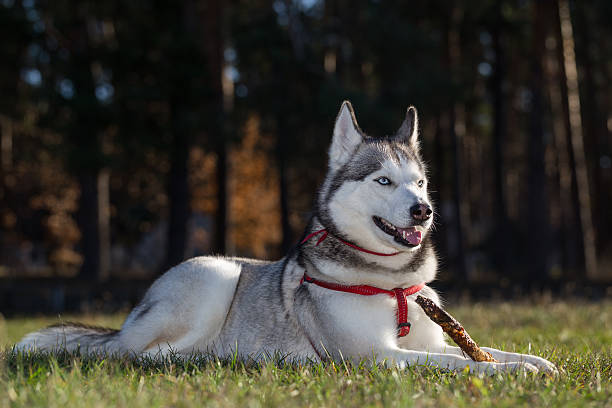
[{"x": 256, "y": 308}]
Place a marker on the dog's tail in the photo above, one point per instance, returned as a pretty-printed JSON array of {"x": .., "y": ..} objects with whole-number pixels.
[{"x": 71, "y": 337}]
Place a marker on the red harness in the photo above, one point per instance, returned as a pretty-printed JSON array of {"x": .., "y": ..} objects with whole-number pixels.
[
  {"x": 324, "y": 231},
  {"x": 403, "y": 326}
]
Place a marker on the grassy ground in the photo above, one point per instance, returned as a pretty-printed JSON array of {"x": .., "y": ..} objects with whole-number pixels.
[{"x": 575, "y": 336}]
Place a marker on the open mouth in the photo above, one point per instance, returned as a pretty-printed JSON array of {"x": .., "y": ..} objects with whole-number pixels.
[{"x": 409, "y": 236}]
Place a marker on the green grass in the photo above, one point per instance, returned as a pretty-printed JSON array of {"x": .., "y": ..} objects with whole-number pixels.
[{"x": 576, "y": 336}]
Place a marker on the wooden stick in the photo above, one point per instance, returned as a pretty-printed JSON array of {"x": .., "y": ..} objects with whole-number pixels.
[{"x": 454, "y": 329}]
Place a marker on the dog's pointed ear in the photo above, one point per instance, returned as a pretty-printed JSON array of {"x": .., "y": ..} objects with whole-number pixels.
[
  {"x": 409, "y": 131},
  {"x": 347, "y": 137}
]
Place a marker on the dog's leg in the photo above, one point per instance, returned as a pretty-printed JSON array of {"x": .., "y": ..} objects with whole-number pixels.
[
  {"x": 407, "y": 358},
  {"x": 184, "y": 310},
  {"x": 543, "y": 365}
]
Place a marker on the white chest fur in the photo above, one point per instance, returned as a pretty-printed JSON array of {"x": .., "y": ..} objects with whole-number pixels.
[{"x": 368, "y": 324}]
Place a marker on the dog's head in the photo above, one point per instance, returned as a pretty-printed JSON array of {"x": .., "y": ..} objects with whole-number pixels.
[{"x": 375, "y": 193}]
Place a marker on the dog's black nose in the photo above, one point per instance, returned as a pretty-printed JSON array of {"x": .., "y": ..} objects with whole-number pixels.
[{"x": 420, "y": 212}]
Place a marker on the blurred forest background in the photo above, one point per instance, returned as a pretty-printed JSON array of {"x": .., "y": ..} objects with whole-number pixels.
[{"x": 136, "y": 134}]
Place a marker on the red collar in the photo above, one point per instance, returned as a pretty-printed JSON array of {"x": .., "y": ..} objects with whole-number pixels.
[
  {"x": 403, "y": 326},
  {"x": 325, "y": 233}
]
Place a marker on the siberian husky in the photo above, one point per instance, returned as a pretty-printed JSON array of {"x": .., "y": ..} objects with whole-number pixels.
[{"x": 345, "y": 292}]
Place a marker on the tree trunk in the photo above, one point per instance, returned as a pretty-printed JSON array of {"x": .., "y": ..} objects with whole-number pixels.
[
  {"x": 499, "y": 139},
  {"x": 576, "y": 139},
  {"x": 566, "y": 221},
  {"x": 456, "y": 127},
  {"x": 214, "y": 43},
  {"x": 93, "y": 219},
  {"x": 88, "y": 224},
  {"x": 221, "y": 218},
  {"x": 6, "y": 143},
  {"x": 177, "y": 188},
  {"x": 87, "y": 162},
  {"x": 281, "y": 154},
  {"x": 104, "y": 229},
  {"x": 178, "y": 196},
  {"x": 438, "y": 181},
  {"x": 595, "y": 126},
  {"x": 538, "y": 232}
]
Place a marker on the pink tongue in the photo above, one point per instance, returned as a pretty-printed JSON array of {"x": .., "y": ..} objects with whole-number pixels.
[{"x": 412, "y": 235}]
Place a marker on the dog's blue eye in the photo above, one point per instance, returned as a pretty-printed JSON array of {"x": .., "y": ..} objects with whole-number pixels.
[{"x": 383, "y": 180}]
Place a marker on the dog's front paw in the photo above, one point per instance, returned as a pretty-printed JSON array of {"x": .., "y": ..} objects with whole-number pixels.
[{"x": 543, "y": 365}]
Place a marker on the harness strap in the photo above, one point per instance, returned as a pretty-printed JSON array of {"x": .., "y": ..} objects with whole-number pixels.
[
  {"x": 325, "y": 233},
  {"x": 403, "y": 326}
]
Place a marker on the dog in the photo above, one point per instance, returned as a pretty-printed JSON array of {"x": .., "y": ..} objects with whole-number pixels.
[{"x": 345, "y": 292}]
